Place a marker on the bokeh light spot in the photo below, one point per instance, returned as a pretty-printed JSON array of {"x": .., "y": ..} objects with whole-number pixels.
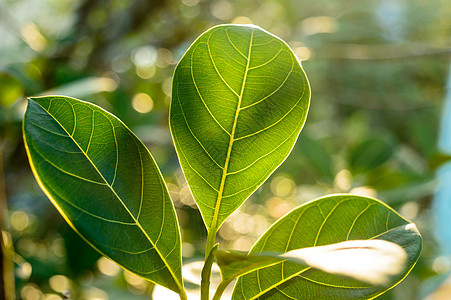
[
  {"x": 410, "y": 210},
  {"x": 364, "y": 191},
  {"x": 187, "y": 250},
  {"x": 282, "y": 186},
  {"x": 303, "y": 53},
  {"x": 107, "y": 267},
  {"x": 52, "y": 297},
  {"x": 146, "y": 72},
  {"x": 277, "y": 207},
  {"x": 242, "y": 20},
  {"x": 441, "y": 264},
  {"x": 30, "y": 292},
  {"x": 59, "y": 283},
  {"x": 142, "y": 103},
  {"x": 24, "y": 270},
  {"x": 144, "y": 56},
  {"x": 33, "y": 37},
  {"x": 19, "y": 220},
  {"x": 222, "y": 10},
  {"x": 167, "y": 86},
  {"x": 190, "y": 2},
  {"x": 95, "y": 294},
  {"x": 319, "y": 24},
  {"x": 343, "y": 180},
  {"x": 164, "y": 58}
]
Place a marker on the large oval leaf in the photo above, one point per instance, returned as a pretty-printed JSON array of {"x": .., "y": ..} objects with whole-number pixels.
[
  {"x": 240, "y": 99},
  {"x": 105, "y": 183},
  {"x": 326, "y": 221}
]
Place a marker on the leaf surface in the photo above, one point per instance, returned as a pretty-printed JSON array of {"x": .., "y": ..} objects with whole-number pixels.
[
  {"x": 325, "y": 221},
  {"x": 240, "y": 99},
  {"x": 106, "y": 184}
]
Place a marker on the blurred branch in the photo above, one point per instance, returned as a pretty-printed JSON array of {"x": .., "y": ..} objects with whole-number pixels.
[
  {"x": 83, "y": 87},
  {"x": 6, "y": 253},
  {"x": 383, "y": 51},
  {"x": 369, "y": 100},
  {"x": 119, "y": 25},
  {"x": 114, "y": 28}
]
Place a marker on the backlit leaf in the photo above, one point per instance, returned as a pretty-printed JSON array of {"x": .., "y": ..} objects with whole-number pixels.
[
  {"x": 372, "y": 261},
  {"x": 325, "y": 221},
  {"x": 240, "y": 99},
  {"x": 105, "y": 183}
]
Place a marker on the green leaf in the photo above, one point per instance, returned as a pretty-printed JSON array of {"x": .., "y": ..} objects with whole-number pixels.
[
  {"x": 240, "y": 99},
  {"x": 107, "y": 186},
  {"x": 371, "y": 261},
  {"x": 325, "y": 221}
]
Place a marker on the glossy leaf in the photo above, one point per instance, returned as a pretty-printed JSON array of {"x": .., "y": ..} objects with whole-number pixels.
[
  {"x": 240, "y": 99},
  {"x": 105, "y": 183},
  {"x": 326, "y": 221}
]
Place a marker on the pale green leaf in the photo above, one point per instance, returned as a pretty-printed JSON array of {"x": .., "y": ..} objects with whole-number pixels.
[
  {"x": 240, "y": 99},
  {"x": 325, "y": 221},
  {"x": 105, "y": 183}
]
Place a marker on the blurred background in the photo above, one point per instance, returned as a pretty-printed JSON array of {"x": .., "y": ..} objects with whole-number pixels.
[{"x": 378, "y": 71}]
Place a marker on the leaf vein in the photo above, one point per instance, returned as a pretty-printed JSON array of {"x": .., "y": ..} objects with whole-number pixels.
[
  {"x": 279, "y": 283},
  {"x": 276, "y": 90},
  {"x": 202, "y": 99},
  {"x": 92, "y": 132},
  {"x": 195, "y": 137},
  {"x": 263, "y": 156},
  {"x": 233, "y": 45},
  {"x": 66, "y": 172},
  {"x": 117, "y": 151},
  {"x": 270, "y": 60},
  {"x": 142, "y": 181},
  {"x": 275, "y": 123},
  {"x": 216, "y": 68},
  {"x": 325, "y": 220},
  {"x": 333, "y": 285},
  {"x": 355, "y": 220}
]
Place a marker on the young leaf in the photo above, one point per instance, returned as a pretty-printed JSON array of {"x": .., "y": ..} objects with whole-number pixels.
[
  {"x": 105, "y": 183},
  {"x": 371, "y": 261},
  {"x": 240, "y": 99},
  {"x": 325, "y": 221}
]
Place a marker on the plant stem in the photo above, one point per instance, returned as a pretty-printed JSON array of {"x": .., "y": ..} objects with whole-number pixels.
[
  {"x": 206, "y": 271},
  {"x": 220, "y": 290},
  {"x": 183, "y": 296},
  {"x": 211, "y": 237}
]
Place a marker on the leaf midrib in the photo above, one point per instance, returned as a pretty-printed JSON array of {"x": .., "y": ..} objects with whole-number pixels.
[
  {"x": 117, "y": 196},
  {"x": 232, "y": 139}
]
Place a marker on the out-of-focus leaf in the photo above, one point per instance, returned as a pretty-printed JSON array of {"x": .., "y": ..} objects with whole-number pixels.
[
  {"x": 240, "y": 99},
  {"x": 374, "y": 262},
  {"x": 370, "y": 154},
  {"x": 317, "y": 156},
  {"x": 10, "y": 89},
  {"x": 84, "y": 87},
  {"x": 326, "y": 221},
  {"x": 105, "y": 183}
]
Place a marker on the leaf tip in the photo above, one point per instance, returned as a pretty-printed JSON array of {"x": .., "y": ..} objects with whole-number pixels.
[{"x": 412, "y": 228}]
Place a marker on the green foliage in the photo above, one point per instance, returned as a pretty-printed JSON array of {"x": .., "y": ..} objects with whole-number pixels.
[
  {"x": 326, "y": 221},
  {"x": 106, "y": 185},
  {"x": 240, "y": 99}
]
